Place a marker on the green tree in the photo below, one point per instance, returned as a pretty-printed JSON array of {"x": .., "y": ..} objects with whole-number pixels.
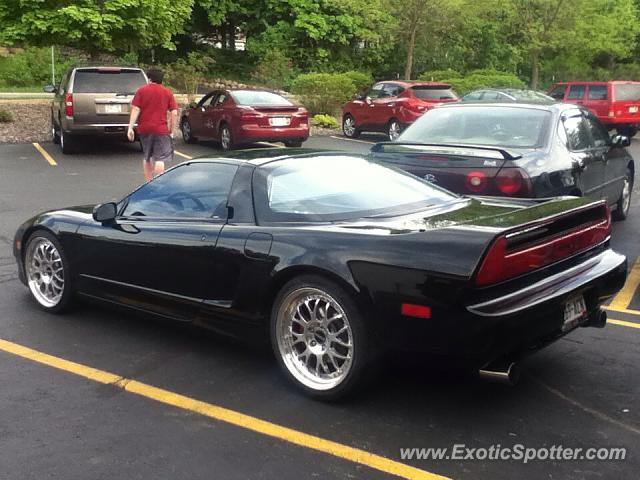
[{"x": 93, "y": 25}]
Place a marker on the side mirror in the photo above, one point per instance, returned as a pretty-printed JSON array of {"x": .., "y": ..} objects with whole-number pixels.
[
  {"x": 359, "y": 96},
  {"x": 49, "y": 88},
  {"x": 620, "y": 141},
  {"x": 105, "y": 212},
  {"x": 193, "y": 105}
]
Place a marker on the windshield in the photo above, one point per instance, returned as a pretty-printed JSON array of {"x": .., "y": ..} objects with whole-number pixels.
[
  {"x": 427, "y": 92},
  {"x": 258, "y": 97},
  {"x": 481, "y": 125},
  {"x": 628, "y": 91},
  {"x": 339, "y": 187},
  {"x": 108, "y": 81}
]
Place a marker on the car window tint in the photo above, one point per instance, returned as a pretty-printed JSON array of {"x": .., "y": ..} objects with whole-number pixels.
[
  {"x": 473, "y": 96},
  {"x": 597, "y": 92},
  {"x": 206, "y": 101},
  {"x": 558, "y": 92},
  {"x": 375, "y": 91},
  {"x": 627, "y": 91},
  {"x": 599, "y": 133},
  {"x": 434, "y": 92},
  {"x": 220, "y": 100},
  {"x": 576, "y": 92},
  {"x": 392, "y": 90},
  {"x": 259, "y": 97},
  {"x": 108, "y": 81},
  {"x": 577, "y": 133},
  {"x": 193, "y": 190}
]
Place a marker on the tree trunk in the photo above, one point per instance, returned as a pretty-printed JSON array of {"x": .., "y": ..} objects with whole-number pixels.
[
  {"x": 535, "y": 69},
  {"x": 231, "y": 35},
  {"x": 410, "y": 48}
]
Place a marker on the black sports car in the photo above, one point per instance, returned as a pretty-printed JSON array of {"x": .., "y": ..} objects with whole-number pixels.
[
  {"x": 338, "y": 257},
  {"x": 516, "y": 150}
]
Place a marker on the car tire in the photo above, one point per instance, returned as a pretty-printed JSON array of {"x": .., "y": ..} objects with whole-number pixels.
[
  {"x": 624, "y": 202},
  {"x": 48, "y": 272},
  {"x": 393, "y": 129},
  {"x": 315, "y": 315},
  {"x": 293, "y": 144},
  {"x": 67, "y": 142},
  {"x": 226, "y": 139},
  {"x": 185, "y": 128},
  {"x": 349, "y": 128},
  {"x": 55, "y": 134},
  {"x": 627, "y": 130}
]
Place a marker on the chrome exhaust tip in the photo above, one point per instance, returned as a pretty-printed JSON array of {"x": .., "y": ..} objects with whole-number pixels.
[
  {"x": 597, "y": 320},
  {"x": 507, "y": 373}
]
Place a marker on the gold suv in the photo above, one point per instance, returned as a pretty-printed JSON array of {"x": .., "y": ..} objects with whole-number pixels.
[{"x": 93, "y": 101}]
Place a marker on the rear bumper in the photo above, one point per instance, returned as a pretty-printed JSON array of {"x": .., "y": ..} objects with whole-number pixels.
[
  {"x": 517, "y": 324},
  {"x": 96, "y": 129},
  {"x": 255, "y": 133}
]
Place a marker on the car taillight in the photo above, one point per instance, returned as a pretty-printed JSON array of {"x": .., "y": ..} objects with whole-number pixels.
[
  {"x": 513, "y": 181},
  {"x": 503, "y": 262},
  {"x": 476, "y": 181},
  {"x": 302, "y": 113},
  {"x": 249, "y": 113},
  {"x": 416, "y": 106},
  {"x": 68, "y": 105}
]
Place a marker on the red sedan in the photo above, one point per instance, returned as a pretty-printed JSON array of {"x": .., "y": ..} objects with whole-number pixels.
[
  {"x": 242, "y": 116},
  {"x": 391, "y": 106}
]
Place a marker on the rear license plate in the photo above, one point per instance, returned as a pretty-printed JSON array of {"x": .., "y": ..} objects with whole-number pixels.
[
  {"x": 633, "y": 109},
  {"x": 113, "y": 108},
  {"x": 279, "y": 121},
  {"x": 574, "y": 310}
]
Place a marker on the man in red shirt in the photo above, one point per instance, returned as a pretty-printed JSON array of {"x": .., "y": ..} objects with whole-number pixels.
[{"x": 149, "y": 108}]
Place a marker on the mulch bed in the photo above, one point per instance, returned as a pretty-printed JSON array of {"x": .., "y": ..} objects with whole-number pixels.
[{"x": 31, "y": 121}]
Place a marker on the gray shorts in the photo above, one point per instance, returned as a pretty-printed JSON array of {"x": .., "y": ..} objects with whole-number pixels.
[{"x": 156, "y": 147}]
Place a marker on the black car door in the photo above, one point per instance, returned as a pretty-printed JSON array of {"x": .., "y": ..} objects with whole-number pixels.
[
  {"x": 588, "y": 162},
  {"x": 615, "y": 160},
  {"x": 158, "y": 254}
]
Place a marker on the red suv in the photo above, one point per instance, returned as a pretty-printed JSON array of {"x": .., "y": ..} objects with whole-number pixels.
[
  {"x": 392, "y": 106},
  {"x": 615, "y": 103}
]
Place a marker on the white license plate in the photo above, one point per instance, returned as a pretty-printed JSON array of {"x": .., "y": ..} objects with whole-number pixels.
[
  {"x": 279, "y": 121},
  {"x": 574, "y": 310},
  {"x": 114, "y": 108},
  {"x": 633, "y": 109}
]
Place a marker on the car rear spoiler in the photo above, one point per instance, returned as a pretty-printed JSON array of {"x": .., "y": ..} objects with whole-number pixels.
[{"x": 506, "y": 154}]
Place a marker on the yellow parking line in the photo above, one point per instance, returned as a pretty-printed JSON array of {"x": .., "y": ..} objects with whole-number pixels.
[
  {"x": 624, "y": 296},
  {"x": 45, "y": 154},
  {"x": 623, "y": 323},
  {"x": 622, "y": 310},
  {"x": 222, "y": 414},
  {"x": 184, "y": 155},
  {"x": 272, "y": 144}
]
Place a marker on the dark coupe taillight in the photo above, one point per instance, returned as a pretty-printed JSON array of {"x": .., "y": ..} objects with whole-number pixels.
[
  {"x": 68, "y": 105},
  {"x": 513, "y": 181},
  {"x": 476, "y": 182},
  {"x": 509, "y": 257}
]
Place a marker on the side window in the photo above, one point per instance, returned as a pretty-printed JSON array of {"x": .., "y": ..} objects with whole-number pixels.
[
  {"x": 206, "y": 101},
  {"x": 558, "y": 92},
  {"x": 599, "y": 133},
  {"x": 63, "y": 84},
  {"x": 392, "y": 90},
  {"x": 577, "y": 133},
  {"x": 576, "y": 92},
  {"x": 220, "y": 100},
  {"x": 193, "y": 190},
  {"x": 597, "y": 92},
  {"x": 490, "y": 95},
  {"x": 473, "y": 96},
  {"x": 375, "y": 91}
]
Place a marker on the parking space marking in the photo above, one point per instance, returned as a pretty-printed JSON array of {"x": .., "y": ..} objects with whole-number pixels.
[
  {"x": 624, "y": 296},
  {"x": 352, "y": 140},
  {"x": 622, "y": 310},
  {"x": 623, "y": 323},
  {"x": 45, "y": 154},
  {"x": 222, "y": 414},
  {"x": 183, "y": 155},
  {"x": 271, "y": 144}
]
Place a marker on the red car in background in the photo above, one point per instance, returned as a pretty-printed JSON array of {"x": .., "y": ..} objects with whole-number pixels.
[
  {"x": 242, "y": 116},
  {"x": 391, "y": 106},
  {"x": 616, "y": 103}
]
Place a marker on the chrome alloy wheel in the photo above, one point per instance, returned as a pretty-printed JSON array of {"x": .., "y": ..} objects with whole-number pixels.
[
  {"x": 45, "y": 273},
  {"x": 626, "y": 195},
  {"x": 314, "y": 338},
  {"x": 225, "y": 138},
  {"x": 394, "y": 130},
  {"x": 349, "y": 126}
]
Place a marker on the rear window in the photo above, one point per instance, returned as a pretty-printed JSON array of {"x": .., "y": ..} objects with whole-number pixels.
[
  {"x": 257, "y": 97},
  {"x": 427, "y": 92},
  {"x": 108, "y": 81},
  {"x": 630, "y": 91}
]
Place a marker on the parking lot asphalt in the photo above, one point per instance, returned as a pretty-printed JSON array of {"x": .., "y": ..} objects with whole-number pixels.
[{"x": 181, "y": 403}]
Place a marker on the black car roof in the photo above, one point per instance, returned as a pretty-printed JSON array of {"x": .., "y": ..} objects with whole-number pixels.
[{"x": 263, "y": 156}]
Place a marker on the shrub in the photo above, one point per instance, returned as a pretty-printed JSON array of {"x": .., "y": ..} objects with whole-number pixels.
[
  {"x": 323, "y": 93},
  {"x": 274, "y": 70},
  {"x": 32, "y": 67},
  {"x": 185, "y": 74},
  {"x": 325, "y": 121},
  {"x": 485, "y": 78},
  {"x": 5, "y": 116},
  {"x": 361, "y": 80}
]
